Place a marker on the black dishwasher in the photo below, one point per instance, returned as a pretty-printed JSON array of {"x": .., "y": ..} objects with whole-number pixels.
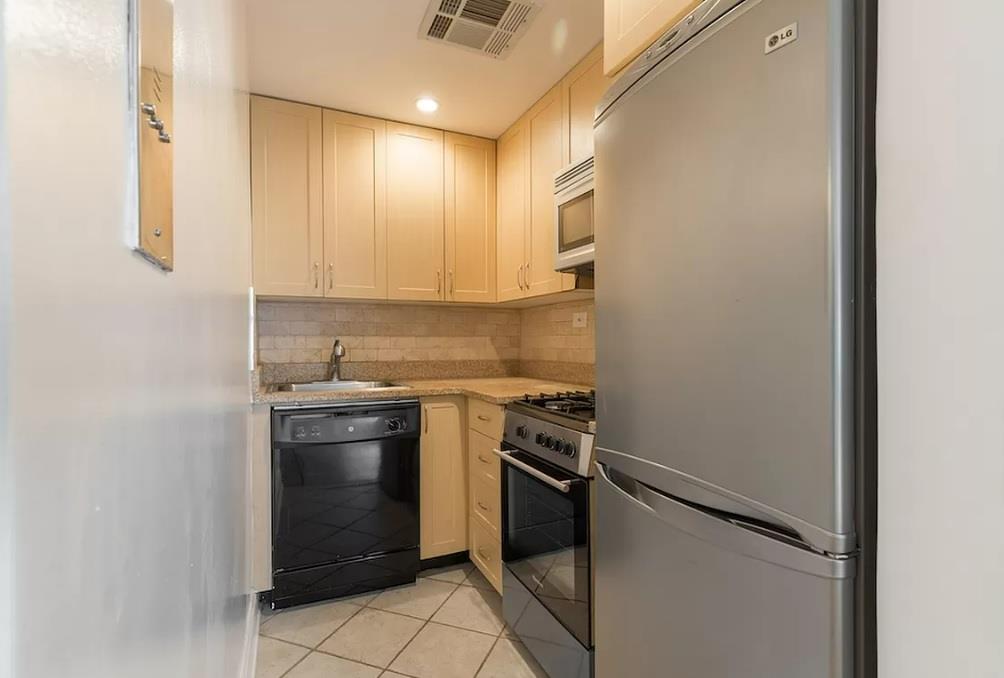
[{"x": 345, "y": 489}]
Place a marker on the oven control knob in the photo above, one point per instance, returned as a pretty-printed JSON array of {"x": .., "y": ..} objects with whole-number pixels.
[
  {"x": 395, "y": 424},
  {"x": 548, "y": 441},
  {"x": 556, "y": 444},
  {"x": 521, "y": 431},
  {"x": 568, "y": 449},
  {"x": 540, "y": 438}
]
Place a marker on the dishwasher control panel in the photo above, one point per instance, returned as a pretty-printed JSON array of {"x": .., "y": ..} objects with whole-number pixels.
[{"x": 345, "y": 424}]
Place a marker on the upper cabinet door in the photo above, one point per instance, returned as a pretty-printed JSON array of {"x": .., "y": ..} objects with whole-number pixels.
[
  {"x": 630, "y": 26},
  {"x": 470, "y": 218},
  {"x": 546, "y": 155},
  {"x": 415, "y": 213},
  {"x": 355, "y": 206},
  {"x": 512, "y": 211},
  {"x": 582, "y": 89},
  {"x": 286, "y": 190}
]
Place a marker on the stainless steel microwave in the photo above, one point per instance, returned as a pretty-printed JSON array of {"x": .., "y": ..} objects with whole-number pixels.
[{"x": 573, "y": 197}]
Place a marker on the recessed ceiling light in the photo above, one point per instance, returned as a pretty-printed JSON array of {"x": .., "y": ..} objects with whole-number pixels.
[{"x": 427, "y": 105}]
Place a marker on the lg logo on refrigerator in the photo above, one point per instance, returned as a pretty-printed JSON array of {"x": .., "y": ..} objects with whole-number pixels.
[{"x": 779, "y": 39}]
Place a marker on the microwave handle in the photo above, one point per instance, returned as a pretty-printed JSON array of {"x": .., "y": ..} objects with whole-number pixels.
[{"x": 563, "y": 485}]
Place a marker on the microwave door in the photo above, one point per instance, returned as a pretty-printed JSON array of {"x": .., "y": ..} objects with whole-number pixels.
[{"x": 574, "y": 237}]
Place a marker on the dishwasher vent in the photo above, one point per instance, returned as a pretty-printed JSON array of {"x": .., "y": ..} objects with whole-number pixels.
[{"x": 489, "y": 27}]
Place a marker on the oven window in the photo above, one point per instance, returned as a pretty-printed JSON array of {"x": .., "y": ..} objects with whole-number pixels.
[
  {"x": 575, "y": 222},
  {"x": 546, "y": 542}
]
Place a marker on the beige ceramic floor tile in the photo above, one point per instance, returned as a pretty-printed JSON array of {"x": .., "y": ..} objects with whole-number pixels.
[
  {"x": 308, "y": 625},
  {"x": 391, "y": 674},
  {"x": 454, "y": 574},
  {"x": 474, "y": 609},
  {"x": 363, "y": 599},
  {"x": 419, "y": 600},
  {"x": 476, "y": 579},
  {"x": 275, "y": 657},
  {"x": 443, "y": 652},
  {"x": 372, "y": 636},
  {"x": 510, "y": 659},
  {"x": 318, "y": 665}
]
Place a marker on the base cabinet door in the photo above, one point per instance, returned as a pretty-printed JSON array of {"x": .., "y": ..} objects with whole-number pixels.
[
  {"x": 286, "y": 198},
  {"x": 443, "y": 476},
  {"x": 486, "y": 553}
]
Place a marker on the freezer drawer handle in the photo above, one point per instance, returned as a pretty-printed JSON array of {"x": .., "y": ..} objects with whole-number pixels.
[
  {"x": 732, "y": 533},
  {"x": 563, "y": 485}
]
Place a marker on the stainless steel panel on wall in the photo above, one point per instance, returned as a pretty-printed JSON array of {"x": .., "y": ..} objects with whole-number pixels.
[
  {"x": 723, "y": 243},
  {"x": 683, "y": 593},
  {"x": 152, "y": 28}
]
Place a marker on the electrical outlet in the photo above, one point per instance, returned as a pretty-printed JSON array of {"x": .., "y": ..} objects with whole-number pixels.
[{"x": 579, "y": 319}]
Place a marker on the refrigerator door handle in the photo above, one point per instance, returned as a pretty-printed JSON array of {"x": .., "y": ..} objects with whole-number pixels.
[
  {"x": 618, "y": 486},
  {"x": 734, "y": 535}
]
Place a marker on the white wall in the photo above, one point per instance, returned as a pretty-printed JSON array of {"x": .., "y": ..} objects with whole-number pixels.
[
  {"x": 941, "y": 339},
  {"x": 129, "y": 387}
]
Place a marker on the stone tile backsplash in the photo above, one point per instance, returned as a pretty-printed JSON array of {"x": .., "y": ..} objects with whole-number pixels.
[{"x": 400, "y": 341}]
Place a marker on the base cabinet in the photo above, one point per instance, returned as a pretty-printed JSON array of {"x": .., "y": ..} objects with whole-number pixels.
[
  {"x": 484, "y": 436},
  {"x": 444, "y": 495}
]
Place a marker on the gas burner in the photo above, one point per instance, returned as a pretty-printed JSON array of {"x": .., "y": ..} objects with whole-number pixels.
[
  {"x": 559, "y": 405},
  {"x": 576, "y": 409}
]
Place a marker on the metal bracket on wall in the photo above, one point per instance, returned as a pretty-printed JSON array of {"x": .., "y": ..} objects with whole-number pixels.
[{"x": 151, "y": 34}]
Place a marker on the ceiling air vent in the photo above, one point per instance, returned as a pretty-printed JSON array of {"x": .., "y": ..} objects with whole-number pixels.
[{"x": 490, "y": 27}]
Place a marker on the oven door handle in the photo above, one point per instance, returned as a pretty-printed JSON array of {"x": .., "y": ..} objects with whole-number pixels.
[{"x": 563, "y": 485}]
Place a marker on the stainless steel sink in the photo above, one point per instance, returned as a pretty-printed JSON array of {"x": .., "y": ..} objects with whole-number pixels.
[{"x": 340, "y": 386}]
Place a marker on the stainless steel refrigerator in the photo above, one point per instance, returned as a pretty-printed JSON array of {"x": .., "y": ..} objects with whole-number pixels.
[{"x": 725, "y": 539}]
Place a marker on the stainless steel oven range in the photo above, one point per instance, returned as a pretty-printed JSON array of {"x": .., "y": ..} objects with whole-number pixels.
[{"x": 547, "y": 486}]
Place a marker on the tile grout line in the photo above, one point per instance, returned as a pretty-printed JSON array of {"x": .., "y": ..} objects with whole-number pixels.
[
  {"x": 310, "y": 649},
  {"x": 422, "y": 628},
  {"x": 425, "y": 622}
]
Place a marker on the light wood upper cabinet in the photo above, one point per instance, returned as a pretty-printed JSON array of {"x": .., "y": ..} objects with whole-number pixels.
[
  {"x": 443, "y": 491},
  {"x": 469, "y": 202},
  {"x": 355, "y": 206},
  {"x": 546, "y": 157},
  {"x": 630, "y": 26},
  {"x": 415, "y": 253},
  {"x": 582, "y": 90},
  {"x": 286, "y": 198},
  {"x": 512, "y": 212}
]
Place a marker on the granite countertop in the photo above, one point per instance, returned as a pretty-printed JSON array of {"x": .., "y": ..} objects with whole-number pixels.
[{"x": 495, "y": 390}]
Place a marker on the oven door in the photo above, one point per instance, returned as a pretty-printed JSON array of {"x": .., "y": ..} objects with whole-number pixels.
[
  {"x": 575, "y": 227},
  {"x": 545, "y": 539}
]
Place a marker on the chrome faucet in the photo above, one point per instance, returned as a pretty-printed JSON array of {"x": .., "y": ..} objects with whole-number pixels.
[{"x": 335, "y": 362}]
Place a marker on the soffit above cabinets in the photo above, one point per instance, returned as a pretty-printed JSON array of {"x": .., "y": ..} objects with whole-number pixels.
[{"x": 372, "y": 58}]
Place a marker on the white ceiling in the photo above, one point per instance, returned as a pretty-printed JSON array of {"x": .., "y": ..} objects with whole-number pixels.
[{"x": 366, "y": 56}]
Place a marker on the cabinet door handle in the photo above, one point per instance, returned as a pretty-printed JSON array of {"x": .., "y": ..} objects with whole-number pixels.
[
  {"x": 483, "y": 507},
  {"x": 451, "y": 282},
  {"x": 484, "y": 418},
  {"x": 526, "y": 276},
  {"x": 519, "y": 277},
  {"x": 317, "y": 275},
  {"x": 426, "y": 417},
  {"x": 331, "y": 276},
  {"x": 439, "y": 281},
  {"x": 483, "y": 460}
]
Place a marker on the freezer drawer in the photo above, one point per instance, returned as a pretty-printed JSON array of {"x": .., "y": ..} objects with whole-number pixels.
[{"x": 685, "y": 594}]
